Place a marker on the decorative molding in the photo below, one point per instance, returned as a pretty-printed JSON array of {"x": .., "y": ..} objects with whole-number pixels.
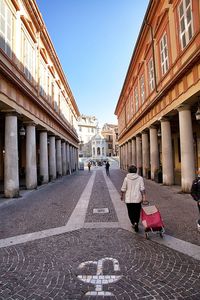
[
  {"x": 29, "y": 27},
  {"x": 52, "y": 70},
  {"x": 44, "y": 55},
  {"x": 16, "y": 4}
]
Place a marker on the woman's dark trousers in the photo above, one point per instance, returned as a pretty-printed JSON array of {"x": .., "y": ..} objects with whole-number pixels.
[{"x": 134, "y": 210}]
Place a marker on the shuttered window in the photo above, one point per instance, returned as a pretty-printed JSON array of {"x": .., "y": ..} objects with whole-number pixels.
[
  {"x": 185, "y": 22},
  {"x": 164, "y": 54},
  {"x": 6, "y": 25},
  {"x": 142, "y": 88},
  {"x": 27, "y": 55},
  {"x": 151, "y": 75}
]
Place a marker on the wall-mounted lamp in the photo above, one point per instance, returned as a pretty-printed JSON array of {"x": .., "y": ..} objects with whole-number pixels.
[
  {"x": 159, "y": 132},
  {"x": 197, "y": 114},
  {"x": 22, "y": 131}
]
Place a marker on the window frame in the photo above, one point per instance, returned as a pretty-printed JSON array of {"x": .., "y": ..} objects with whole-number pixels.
[
  {"x": 182, "y": 19},
  {"x": 26, "y": 57},
  {"x": 151, "y": 75},
  {"x": 8, "y": 43},
  {"x": 136, "y": 97},
  {"x": 164, "y": 54},
  {"x": 142, "y": 88}
]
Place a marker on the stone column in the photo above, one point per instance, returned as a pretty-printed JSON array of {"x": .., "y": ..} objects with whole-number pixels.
[
  {"x": 187, "y": 148},
  {"x": 52, "y": 158},
  {"x": 145, "y": 154},
  {"x": 139, "y": 154},
  {"x": 31, "y": 167},
  {"x": 126, "y": 145},
  {"x": 58, "y": 158},
  {"x": 76, "y": 159},
  {"x": 71, "y": 159},
  {"x": 154, "y": 153},
  {"x": 64, "y": 158},
  {"x": 68, "y": 161},
  {"x": 120, "y": 157},
  {"x": 133, "y": 152},
  {"x": 129, "y": 152},
  {"x": 167, "y": 155},
  {"x": 44, "y": 170},
  {"x": 11, "y": 166}
]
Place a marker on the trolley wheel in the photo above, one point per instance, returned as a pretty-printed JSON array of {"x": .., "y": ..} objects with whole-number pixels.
[
  {"x": 161, "y": 234},
  {"x": 146, "y": 235}
]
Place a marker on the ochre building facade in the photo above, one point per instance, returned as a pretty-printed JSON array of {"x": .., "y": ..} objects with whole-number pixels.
[
  {"x": 158, "y": 108},
  {"x": 38, "y": 113}
]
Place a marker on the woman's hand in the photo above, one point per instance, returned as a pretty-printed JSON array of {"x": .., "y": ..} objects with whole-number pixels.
[{"x": 122, "y": 196}]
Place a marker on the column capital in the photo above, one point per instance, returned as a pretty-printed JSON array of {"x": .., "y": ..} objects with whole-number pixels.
[
  {"x": 164, "y": 119},
  {"x": 10, "y": 112},
  {"x": 145, "y": 131},
  {"x": 29, "y": 123},
  {"x": 152, "y": 127},
  {"x": 183, "y": 107}
]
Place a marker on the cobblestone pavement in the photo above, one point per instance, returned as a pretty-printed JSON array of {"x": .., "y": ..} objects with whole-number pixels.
[{"x": 105, "y": 261}]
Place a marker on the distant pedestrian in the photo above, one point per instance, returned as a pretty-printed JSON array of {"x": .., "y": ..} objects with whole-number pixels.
[
  {"x": 195, "y": 193},
  {"x": 133, "y": 193},
  {"x": 89, "y": 166},
  {"x": 107, "y": 168}
]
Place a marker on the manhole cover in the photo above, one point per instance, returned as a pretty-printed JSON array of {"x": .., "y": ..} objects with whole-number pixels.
[{"x": 100, "y": 210}]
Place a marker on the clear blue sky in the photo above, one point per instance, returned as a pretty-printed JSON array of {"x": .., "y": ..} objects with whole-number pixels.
[{"x": 94, "y": 40}]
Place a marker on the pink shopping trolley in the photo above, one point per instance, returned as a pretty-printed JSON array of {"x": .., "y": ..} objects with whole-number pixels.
[{"x": 151, "y": 220}]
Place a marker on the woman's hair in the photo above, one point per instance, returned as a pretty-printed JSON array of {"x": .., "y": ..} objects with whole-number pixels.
[{"x": 132, "y": 169}]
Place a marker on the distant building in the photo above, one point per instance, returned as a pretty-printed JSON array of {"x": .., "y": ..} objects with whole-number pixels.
[
  {"x": 98, "y": 146},
  {"x": 87, "y": 128},
  {"x": 110, "y": 133}
]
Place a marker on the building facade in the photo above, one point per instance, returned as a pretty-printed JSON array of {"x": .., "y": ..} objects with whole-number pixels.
[
  {"x": 98, "y": 146},
  {"x": 158, "y": 108},
  {"x": 110, "y": 133},
  {"x": 38, "y": 113},
  {"x": 86, "y": 128}
]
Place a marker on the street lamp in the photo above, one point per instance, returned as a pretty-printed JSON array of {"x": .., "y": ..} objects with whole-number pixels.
[
  {"x": 22, "y": 131},
  {"x": 197, "y": 114},
  {"x": 159, "y": 132}
]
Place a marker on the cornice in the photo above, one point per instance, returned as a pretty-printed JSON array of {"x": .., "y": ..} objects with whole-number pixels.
[
  {"x": 191, "y": 62},
  {"x": 11, "y": 76},
  {"x": 40, "y": 25}
]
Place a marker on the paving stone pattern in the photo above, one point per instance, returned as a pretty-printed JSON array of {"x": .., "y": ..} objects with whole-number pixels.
[
  {"x": 48, "y": 207},
  {"x": 100, "y": 198},
  {"x": 49, "y": 268}
]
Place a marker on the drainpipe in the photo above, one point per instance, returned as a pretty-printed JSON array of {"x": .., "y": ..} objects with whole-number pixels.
[{"x": 153, "y": 52}]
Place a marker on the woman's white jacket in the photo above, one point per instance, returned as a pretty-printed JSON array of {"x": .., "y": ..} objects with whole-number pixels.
[{"x": 133, "y": 186}]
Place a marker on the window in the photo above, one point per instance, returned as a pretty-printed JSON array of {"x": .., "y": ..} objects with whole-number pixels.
[
  {"x": 142, "y": 88},
  {"x": 131, "y": 104},
  {"x": 43, "y": 79},
  {"x": 28, "y": 55},
  {"x": 80, "y": 128},
  {"x": 136, "y": 99},
  {"x": 56, "y": 98},
  {"x": 6, "y": 24},
  {"x": 164, "y": 54},
  {"x": 151, "y": 75},
  {"x": 185, "y": 22}
]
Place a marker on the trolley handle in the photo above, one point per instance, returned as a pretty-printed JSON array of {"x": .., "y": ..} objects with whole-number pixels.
[{"x": 146, "y": 202}]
